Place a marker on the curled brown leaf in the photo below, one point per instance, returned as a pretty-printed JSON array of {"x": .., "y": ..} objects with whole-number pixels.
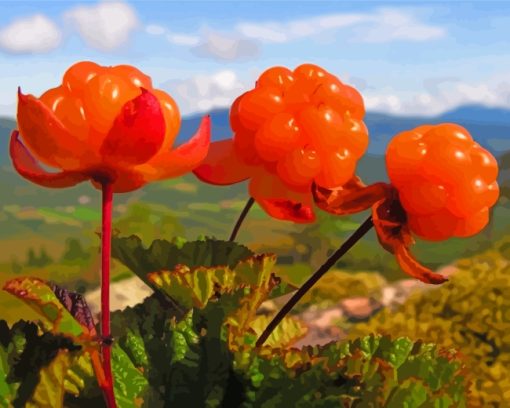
[
  {"x": 351, "y": 198},
  {"x": 413, "y": 268}
]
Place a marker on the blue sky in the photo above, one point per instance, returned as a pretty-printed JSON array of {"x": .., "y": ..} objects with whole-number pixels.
[{"x": 406, "y": 58}]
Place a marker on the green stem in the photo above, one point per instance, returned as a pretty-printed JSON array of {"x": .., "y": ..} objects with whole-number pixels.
[
  {"x": 332, "y": 260},
  {"x": 106, "y": 242},
  {"x": 241, "y": 218}
]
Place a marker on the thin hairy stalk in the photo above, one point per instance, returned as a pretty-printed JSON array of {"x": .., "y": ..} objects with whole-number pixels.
[
  {"x": 241, "y": 218},
  {"x": 106, "y": 341},
  {"x": 332, "y": 260}
]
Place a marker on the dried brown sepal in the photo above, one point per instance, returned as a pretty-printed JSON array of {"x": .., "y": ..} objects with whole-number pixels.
[
  {"x": 413, "y": 268},
  {"x": 351, "y": 198},
  {"x": 390, "y": 222}
]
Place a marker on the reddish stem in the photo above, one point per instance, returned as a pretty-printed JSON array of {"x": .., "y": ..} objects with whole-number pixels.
[{"x": 106, "y": 346}]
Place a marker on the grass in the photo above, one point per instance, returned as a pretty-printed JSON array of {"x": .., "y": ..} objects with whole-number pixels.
[
  {"x": 295, "y": 274},
  {"x": 171, "y": 208}
]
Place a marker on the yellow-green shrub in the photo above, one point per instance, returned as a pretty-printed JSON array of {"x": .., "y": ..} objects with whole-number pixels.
[
  {"x": 471, "y": 312},
  {"x": 337, "y": 285}
]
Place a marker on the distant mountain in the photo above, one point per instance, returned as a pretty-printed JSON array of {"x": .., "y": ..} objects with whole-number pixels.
[
  {"x": 490, "y": 126},
  {"x": 479, "y": 114},
  {"x": 6, "y": 126},
  {"x": 198, "y": 206}
]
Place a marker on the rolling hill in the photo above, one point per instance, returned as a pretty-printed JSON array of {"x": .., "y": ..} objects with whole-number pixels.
[
  {"x": 490, "y": 126},
  {"x": 30, "y": 214}
]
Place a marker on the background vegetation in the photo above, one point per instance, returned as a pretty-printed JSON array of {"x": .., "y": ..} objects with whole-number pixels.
[{"x": 52, "y": 234}]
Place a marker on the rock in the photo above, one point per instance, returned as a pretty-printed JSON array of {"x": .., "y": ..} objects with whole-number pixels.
[
  {"x": 389, "y": 293},
  {"x": 359, "y": 308},
  {"x": 321, "y": 326},
  {"x": 328, "y": 317},
  {"x": 320, "y": 337},
  {"x": 321, "y": 319},
  {"x": 126, "y": 293},
  {"x": 398, "y": 292},
  {"x": 267, "y": 307}
]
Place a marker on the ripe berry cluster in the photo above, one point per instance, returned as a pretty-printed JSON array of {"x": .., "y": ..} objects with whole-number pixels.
[
  {"x": 91, "y": 96},
  {"x": 303, "y": 125},
  {"x": 306, "y": 128},
  {"x": 445, "y": 180}
]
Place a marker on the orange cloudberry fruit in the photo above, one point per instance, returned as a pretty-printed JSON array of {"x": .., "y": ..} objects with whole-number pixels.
[
  {"x": 301, "y": 127},
  {"x": 445, "y": 180}
]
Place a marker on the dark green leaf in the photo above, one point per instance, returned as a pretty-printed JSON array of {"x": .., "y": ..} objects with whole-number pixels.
[
  {"x": 165, "y": 255},
  {"x": 129, "y": 383}
]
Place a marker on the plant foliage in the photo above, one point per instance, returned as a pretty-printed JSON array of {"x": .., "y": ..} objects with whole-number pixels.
[
  {"x": 469, "y": 313},
  {"x": 191, "y": 344}
]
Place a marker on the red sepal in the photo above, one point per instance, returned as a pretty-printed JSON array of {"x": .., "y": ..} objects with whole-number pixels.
[
  {"x": 137, "y": 132},
  {"x": 185, "y": 158},
  {"x": 222, "y": 166},
  {"x": 28, "y": 167}
]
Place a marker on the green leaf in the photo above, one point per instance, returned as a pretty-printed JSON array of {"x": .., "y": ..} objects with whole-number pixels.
[
  {"x": 190, "y": 287},
  {"x": 196, "y": 356},
  {"x": 64, "y": 313},
  {"x": 410, "y": 394},
  {"x": 30, "y": 360},
  {"x": 352, "y": 373},
  {"x": 196, "y": 287},
  {"x": 394, "y": 351},
  {"x": 282, "y": 288},
  {"x": 129, "y": 383},
  {"x": 7, "y": 390},
  {"x": 369, "y": 345},
  {"x": 50, "y": 391},
  {"x": 40, "y": 297},
  {"x": 183, "y": 337},
  {"x": 288, "y": 331},
  {"x": 7, "y": 348},
  {"x": 132, "y": 343},
  {"x": 165, "y": 255},
  {"x": 80, "y": 377}
]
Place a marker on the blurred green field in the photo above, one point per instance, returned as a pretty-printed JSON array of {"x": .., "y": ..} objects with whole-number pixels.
[
  {"x": 36, "y": 225},
  {"x": 187, "y": 208}
]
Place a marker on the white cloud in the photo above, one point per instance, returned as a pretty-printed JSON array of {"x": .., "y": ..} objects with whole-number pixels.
[
  {"x": 440, "y": 95},
  {"x": 28, "y": 35},
  {"x": 154, "y": 29},
  {"x": 172, "y": 37},
  {"x": 383, "y": 25},
  {"x": 269, "y": 32},
  {"x": 104, "y": 26},
  {"x": 210, "y": 44},
  {"x": 218, "y": 90},
  {"x": 226, "y": 47},
  {"x": 183, "y": 39},
  {"x": 391, "y": 25},
  {"x": 383, "y": 102},
  {"x": 205, "y": 92}
]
